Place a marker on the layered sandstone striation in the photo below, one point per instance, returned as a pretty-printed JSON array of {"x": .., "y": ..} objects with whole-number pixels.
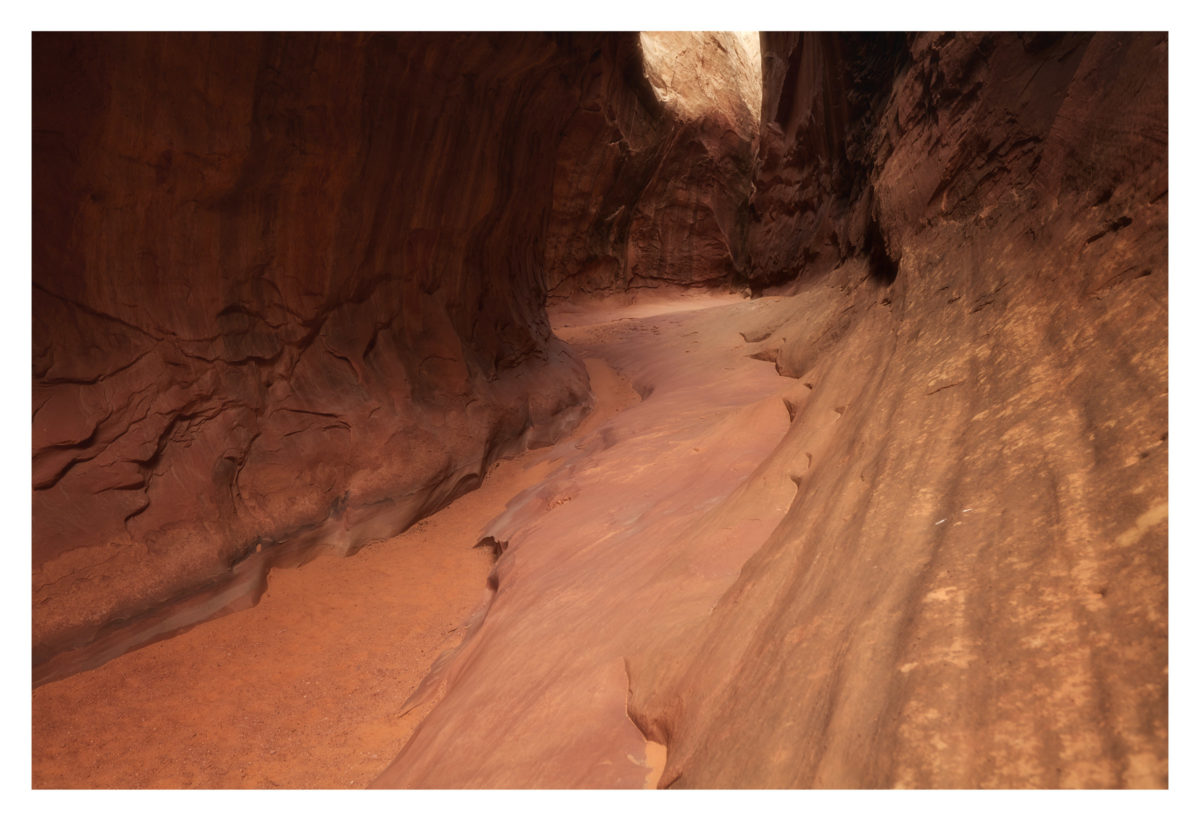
[
  {"x": 813, "y": 204},
  {"x": 287, "y": 296},
  {"x": 970, "y": 588},
  {"x": 936, "y": 556},
  {"x": 653, "y": 179},
  {"x": 899, "y": 522}
]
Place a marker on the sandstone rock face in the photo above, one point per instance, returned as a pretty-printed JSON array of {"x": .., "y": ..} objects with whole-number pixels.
[
  {"x": 945, "y": 565},
  {"x": 970, "y": 586},
  {"x": 705, "y": 73},
  {"x": 654, "y": 174},
  {"x": 287, "y": 295},
  {"x": 900, "y": 522},
  {"x": 813, "y": 205}
]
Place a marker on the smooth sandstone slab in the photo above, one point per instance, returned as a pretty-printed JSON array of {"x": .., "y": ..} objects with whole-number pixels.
[{"x": 643, "y": 523}]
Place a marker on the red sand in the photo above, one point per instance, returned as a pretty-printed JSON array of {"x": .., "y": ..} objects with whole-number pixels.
[{"x": 306, "y": 689}]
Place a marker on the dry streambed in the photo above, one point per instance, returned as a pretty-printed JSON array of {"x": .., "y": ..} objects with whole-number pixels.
[{"x": 309, "y": 688}]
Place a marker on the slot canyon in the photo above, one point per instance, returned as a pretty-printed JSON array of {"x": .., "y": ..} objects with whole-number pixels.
[{"x": 599, "y": 410}]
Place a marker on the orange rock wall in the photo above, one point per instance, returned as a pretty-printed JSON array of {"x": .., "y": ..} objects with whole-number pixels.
[
  {"x": 813, "y": 205},
  {"x": 645, "y": 193},
  {"x": 287, "y": 291},
  {"x": 945, "y": 565},
  {"x": 970, "y": 586}
]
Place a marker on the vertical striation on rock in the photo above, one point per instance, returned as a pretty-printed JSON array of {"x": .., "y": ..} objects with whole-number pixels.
[
  {"x": 288, "y": 294},
  {"x": 946, "y": 567},
  {"x": 813, "y": 205},
  {"x": 654, "y": 174},
  {"x": 970, "y": 587}
]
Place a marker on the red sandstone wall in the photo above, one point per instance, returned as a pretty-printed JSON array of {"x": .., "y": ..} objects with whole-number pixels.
[
  {"x": 287, "y": 293},
  {"x": 813, "y": 205},
  {"x": 644, "y": 194},
  {"x": 970, "y": 587},
  {"x": 964, "y": 582}
]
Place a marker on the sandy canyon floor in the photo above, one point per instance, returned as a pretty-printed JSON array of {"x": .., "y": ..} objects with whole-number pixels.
[{"x": 309, "y": 688}]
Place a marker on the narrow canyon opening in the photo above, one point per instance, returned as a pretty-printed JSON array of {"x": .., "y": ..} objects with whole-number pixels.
[{"x": 599, "y": 410}]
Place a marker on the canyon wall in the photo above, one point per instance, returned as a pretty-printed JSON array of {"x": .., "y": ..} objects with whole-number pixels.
[
  {"x": 654, "y": 173},
  {"x": 287, "y": 296},
  {"x": 969, "y": 588},
  {"x": 813, "y": 205},
  {"x": 945, "y": 566}
]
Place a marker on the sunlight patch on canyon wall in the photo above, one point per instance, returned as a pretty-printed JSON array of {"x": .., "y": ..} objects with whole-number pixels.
[{"x": 699, "y": 73}]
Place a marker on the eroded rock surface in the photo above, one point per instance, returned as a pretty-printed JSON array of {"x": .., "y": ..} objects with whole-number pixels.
[
  {"x": 945, "y": 565},
  {"x": 902, "y": 522},
  {"x": 633, "y": 535},
  {"x": 287, "y": 294},
  {"x": 970, "y": 588},
  {"x": 813, "y": 205},
  {"x": 653, "y": 180}
]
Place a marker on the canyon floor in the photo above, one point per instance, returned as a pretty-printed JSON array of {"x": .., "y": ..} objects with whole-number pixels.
[{"x": 309, "y": 688}]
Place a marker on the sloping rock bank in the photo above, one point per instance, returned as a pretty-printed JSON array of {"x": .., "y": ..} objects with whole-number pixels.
[
  {"x": 970, "y": 588},
  {"x": 641, "y": 527}
]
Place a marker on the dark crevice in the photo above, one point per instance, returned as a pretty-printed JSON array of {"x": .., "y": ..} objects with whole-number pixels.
[
  {"x": 496, "y": 546},
  {"x": 881, "y": 264}
]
